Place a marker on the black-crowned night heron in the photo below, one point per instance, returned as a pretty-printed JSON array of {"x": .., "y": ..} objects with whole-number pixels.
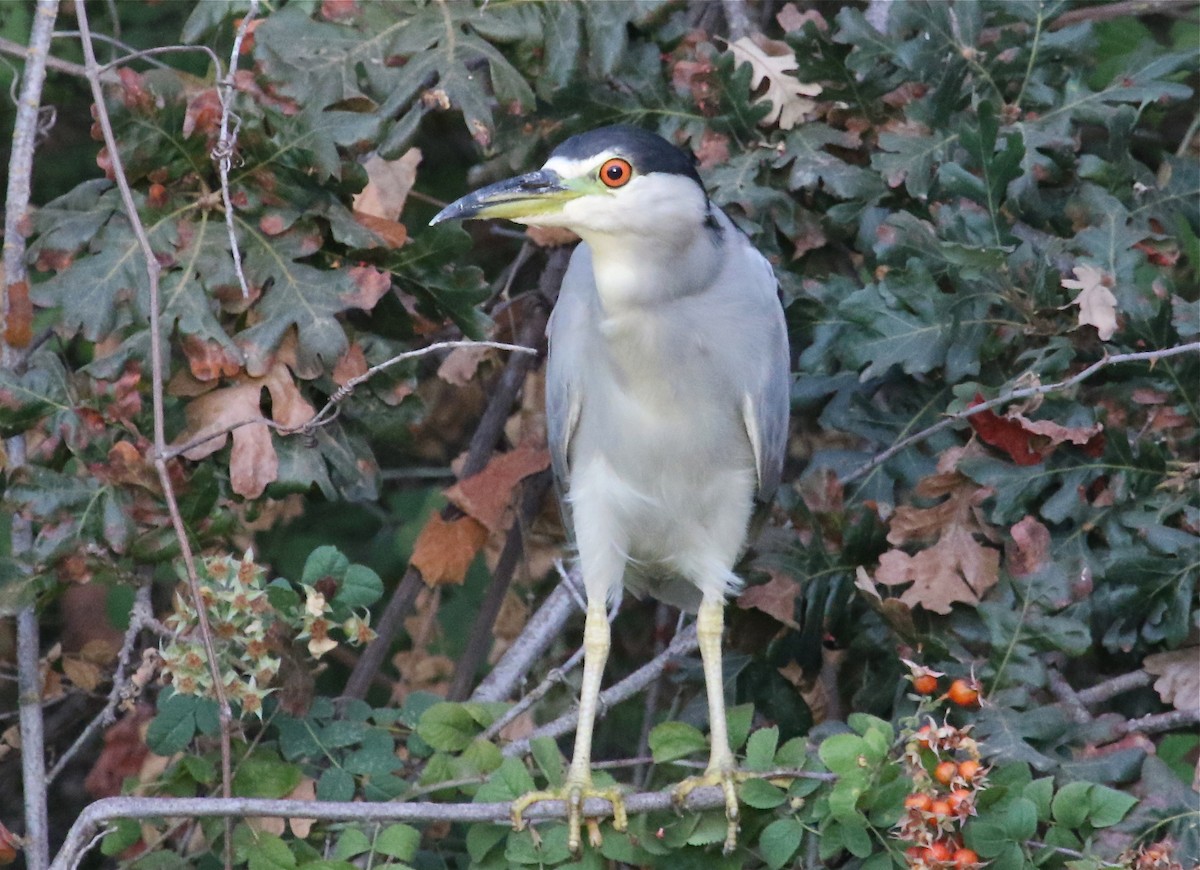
[{"x": 666, "y": 399}]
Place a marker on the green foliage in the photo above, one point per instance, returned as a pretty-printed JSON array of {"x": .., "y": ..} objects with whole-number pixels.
[{"x": 983, "y": 197}]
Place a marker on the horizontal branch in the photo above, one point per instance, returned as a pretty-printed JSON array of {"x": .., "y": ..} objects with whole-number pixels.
[
  {"x": 1015, "y": 395},
  {"x": 96, "y": 816}
]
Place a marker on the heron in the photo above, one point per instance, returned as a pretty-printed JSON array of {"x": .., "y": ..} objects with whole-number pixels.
[{"x": 667, "y": 400}]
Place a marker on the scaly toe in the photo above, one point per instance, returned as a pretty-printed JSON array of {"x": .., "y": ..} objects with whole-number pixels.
[
  {"x": 574, "y": 795},
  {"x": 726, "y": 779}
]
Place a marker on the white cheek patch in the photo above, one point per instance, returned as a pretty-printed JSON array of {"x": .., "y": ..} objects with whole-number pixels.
[{"x": 568, "y": 168}]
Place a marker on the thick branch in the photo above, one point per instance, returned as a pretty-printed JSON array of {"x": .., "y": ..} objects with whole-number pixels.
[
  {"x": 1025, "y": 393},
  {"x": 29, "y": 677}
]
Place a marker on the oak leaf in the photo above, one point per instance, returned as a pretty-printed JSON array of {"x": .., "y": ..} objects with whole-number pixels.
[
  {"x": 1028, "y": 442},
  {"x": 771, "y": 60},
  {"x": 253, "y": 462},
  {"x": 955, "y": 567},
  {"x": 1178, "y": 680},
  {"x": 776, "y": 598},
  {"x": 1028, "y": 548},
  {"x": 1097, "y": 304}
]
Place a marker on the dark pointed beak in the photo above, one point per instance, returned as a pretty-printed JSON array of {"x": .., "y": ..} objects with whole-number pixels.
[{"x": 526, "y": 196}]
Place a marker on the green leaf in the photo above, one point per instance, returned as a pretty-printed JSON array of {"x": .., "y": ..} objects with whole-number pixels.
[
  {"x": 335, "y": 784},
  {"x": 842, "y": 753},
  {"x": 761, "y": 795},
  {"x": 324, "y": 562},
  {"x": 360, "y": 587},
  {"x": 1107, "y": 806},
  {"x": 448, "y": 727},
  {"x": 398, "y": 841},
  {"x": 1072, "y": 804},
  {"x": 989, "y": 839},
  {"x": 738, "y": 720},
  {"x": 124, "y": 833},
  {"x": 265, "y": 776},
  {"x": 482, "y": 839},
  {"x": 673, "y": 740},
  {"x": 760, "y": 749},
  {"x": 270, "y": 853},
  {"x": 779, "y": 841},
  {"x": 509, "y": 781},
  {"x": 173, "y": 728},
  {"x": 1021, "y": 819},
  {"x": 351, "y": 842},
  {"x": 792, "y": 753},
  {"x": 549, "y": 760},
  {"x": 1040, "y": 792}
]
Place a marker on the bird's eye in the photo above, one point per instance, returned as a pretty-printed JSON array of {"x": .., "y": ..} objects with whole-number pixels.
[{"x": 616, "y": 172}]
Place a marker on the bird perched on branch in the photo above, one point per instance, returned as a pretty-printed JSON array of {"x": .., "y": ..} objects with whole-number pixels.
[{"x": 666, "y": 399}]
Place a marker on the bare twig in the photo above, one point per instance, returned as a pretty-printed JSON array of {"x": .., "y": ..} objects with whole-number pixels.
[
  {"x": 1157, "y": 723},
  {"x": 327, "y": 413},
  {"x": 683, "y": 643},
  {"x": 156, "y": 369},
  {"x": 1025, "y": 393},
  {"x": 227, "y": 142},
  {"x": 29, "y": 677},
  {"x": 141, "y": 614},
  {"x": 1116, "y": 686},
  {"x": 1123, "y": 9},
  {"x": 15, "y": 49}
]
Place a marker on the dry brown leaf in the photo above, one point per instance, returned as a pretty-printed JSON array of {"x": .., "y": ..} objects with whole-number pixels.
[
  {"x": 445, "y": 549},
  {"x": 1097, "y": 304},
  {"x": 253, "y": 462},
  {"x": 486, "y": 496},
  {"x": 352, "y": 364},
  {"x": 776, "y": 598},
  {"x": 123, "y": 754},
  {"x": 388, "y": 185},
  {"x": 1028, "y": 548},
  {"x": 770, "y": 61},
  {"x": 791, "y": 19},
  {"x": 460, "y": 364},
  {"x": 956, "y": 568},
  {"x": 82, "y": 674},
  {"x": 1178, "y": 675},
  {"x": 393, "y": 233}
]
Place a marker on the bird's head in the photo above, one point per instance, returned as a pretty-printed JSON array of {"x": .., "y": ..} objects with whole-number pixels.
[{"x": 614, "y": 181}]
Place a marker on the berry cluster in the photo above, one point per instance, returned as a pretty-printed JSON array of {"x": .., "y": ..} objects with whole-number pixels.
[{"x": 943, "y": 761}]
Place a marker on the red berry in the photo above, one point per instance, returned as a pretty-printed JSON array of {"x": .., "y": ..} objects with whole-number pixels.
[
  {"x": 964, "y": 693},
  {"x": 918, "y": 801},
  {"x": 940, "y": 809},
  {"x": 964, "y": 859},
  {"x": 969, "y": 770},
  {"x": 926, "y": 684},
  {"x": 945, "y": 771},
  {"x": 939, "y": 851}
]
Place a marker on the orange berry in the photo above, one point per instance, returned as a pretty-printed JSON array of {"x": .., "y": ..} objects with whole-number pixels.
[
  {"x": 925, "y": 735},
  {"x": 939, "y": 851},
  {"x": 969, "y": 770},
  {"x": 918, "y": 801},
  {"x": 926, "y": 684},
  {"x": 962, "y": 801},
  {"x": 964, "y": 693},
  {"x": 945, "y": 771},
  {"x": 940, "y": 809},
  {"x": 964, "y": 859}
]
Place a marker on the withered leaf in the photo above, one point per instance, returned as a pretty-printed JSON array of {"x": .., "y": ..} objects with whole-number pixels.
[{"x": 445, "y": 549}]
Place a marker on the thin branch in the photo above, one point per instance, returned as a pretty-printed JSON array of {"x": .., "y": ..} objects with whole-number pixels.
[
  {"x": 326, "y": 414},
  {"x": 156, "y": 368},
  {"x": 227, "y": 142},
  {"x": 1025, "y": 393},
  {"x": 1116, "y": 686},
  {"x": 141, "y": 614},
  {"x": 1067, "y": 697},
  {"x": 1157, "y": 723},
  {"x": 683, "y": 643},
  {"x": 15, "y": 49},
  {"x": 29, "y": 676},
  {"x": 1119, "y": 9}
]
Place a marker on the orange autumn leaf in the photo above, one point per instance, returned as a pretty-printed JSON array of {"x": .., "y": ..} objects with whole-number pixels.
[{"x": 445, "y": 549}]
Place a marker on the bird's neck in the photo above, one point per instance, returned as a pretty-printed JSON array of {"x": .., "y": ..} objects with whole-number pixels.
[{"x": 633, "y": 272}]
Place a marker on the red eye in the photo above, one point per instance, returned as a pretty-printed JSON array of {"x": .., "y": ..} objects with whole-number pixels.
[{"x": 616, "y": 172}]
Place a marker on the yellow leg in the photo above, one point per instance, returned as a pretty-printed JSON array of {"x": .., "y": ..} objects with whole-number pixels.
[
  {"x": 722, "y": 768},
  {"x": 578, "y": 787}
]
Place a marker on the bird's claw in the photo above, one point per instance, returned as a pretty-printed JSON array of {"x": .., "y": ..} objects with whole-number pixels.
[
  {"x": 574, "y": 795},
  {"x": 726, "y": 778}
]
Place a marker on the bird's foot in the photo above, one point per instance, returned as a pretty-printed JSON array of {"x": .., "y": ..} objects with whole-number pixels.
[
  {"x": 575, "y": 792},
  {"x": 726, "y": 777}
]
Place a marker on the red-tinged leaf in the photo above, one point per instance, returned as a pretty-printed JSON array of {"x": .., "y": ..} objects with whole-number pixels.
[
  {"x": 18, "y": 323},
  {"x": 371, "y": 284},
  {"x": 1003, "y": 434},
  {"x": 393, "y": 233},
  {"x": 208, "y": 360},
  {"x": 10, "y": 844},
  {"x": 445, "y": 549},
  {"x": 136, "y": 96},
  {"x": 122, "y": 756},
  {"x": 352, "y": 364},
  {"x": 1028, "y": 548},
  {"x": 339, "y": 10},
  {"x": 776, "y": 598},
  {"x": 486, "y": 496},
  {"x": 203, "y": 114}
]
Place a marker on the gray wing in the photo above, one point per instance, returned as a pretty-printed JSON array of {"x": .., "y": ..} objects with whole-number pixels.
[
  {"x": 767, "y": 401},
  {"x": 569, "y": 336}
]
